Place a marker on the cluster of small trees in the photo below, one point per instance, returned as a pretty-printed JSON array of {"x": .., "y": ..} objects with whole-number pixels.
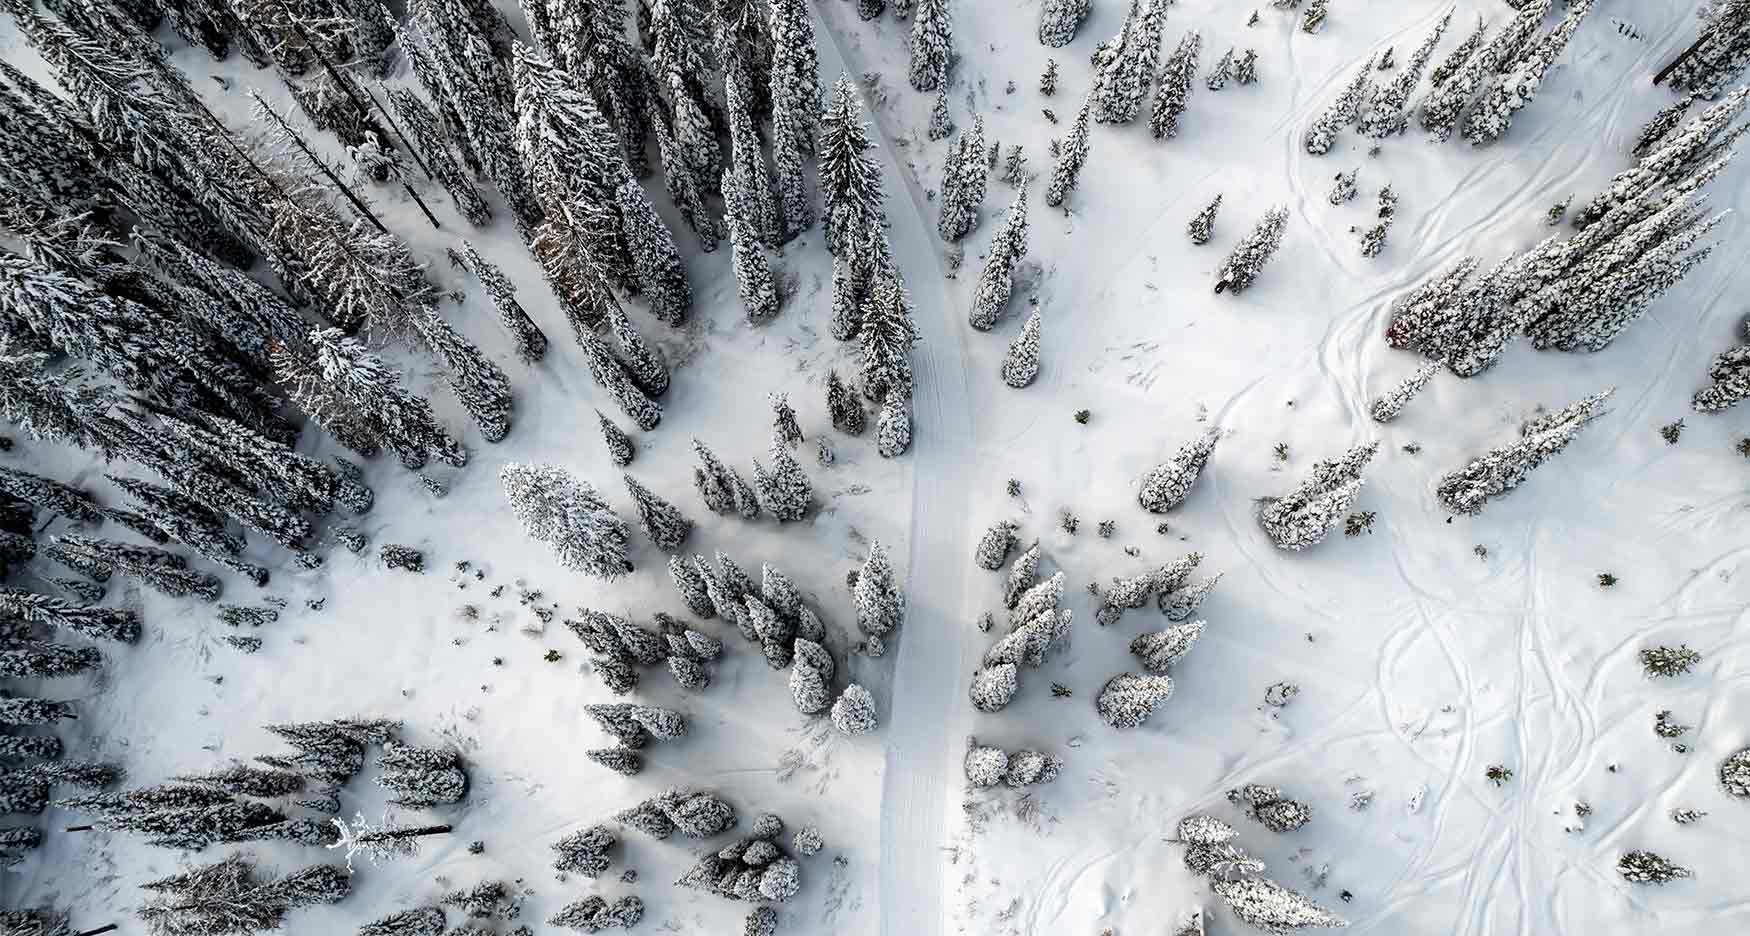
[
  {"x": 1303, "y": 516},
  {"x": 755, "y": 868},
  {"x": 1211, "y": 851},
  {"x": 988, "y": 766},
  {"x": 1036, "y": 623}
]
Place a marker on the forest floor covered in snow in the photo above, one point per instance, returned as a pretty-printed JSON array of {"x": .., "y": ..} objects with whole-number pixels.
[{"x": 1424, "y": 651}]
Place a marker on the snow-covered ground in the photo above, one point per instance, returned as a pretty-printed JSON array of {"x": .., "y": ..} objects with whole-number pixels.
[{"x": 1424, "y": 652}]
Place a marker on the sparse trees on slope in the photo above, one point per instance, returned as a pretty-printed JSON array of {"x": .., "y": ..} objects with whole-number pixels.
[
  {"x": 991, "y": 295},
  {"x": 1466, "y": 490},
  {"x": 568, "y": 516},
  {"x": 1242, "y": 266},
  {"x": 1441, "y": 110}
]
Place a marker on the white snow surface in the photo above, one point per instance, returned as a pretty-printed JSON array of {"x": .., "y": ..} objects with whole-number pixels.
[{"x": 1419, "y": 662}]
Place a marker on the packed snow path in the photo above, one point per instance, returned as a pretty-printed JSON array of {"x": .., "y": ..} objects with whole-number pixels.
[{"x": 925, "y": 725}]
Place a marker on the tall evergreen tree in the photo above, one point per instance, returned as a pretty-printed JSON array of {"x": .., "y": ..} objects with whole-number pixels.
[
  {"x": 1070, "y": 160},
  {"x": 569, "y": 517},
  {"x": 991, "y": 295},
  {"x": 1177, "y": 83},
  {"x": 1466, "y": 490},
  {"x": 1249, "y": 256},
  {"x": 349, "y": 385},
  {"x": 1519, "y": 83},
  {"x": 686, "y": 188},
  {"x": 50, "y": 495},
  {"x": 847, "y": 414},
  {"x": 87, "y": 621},
  {"x": 795, "y": 209},
  {"x": 795, "y": 70},
  {"x": 893, "y": 425},
  {"x": 610, "y": 375},
  {"x": 784, "y": 490},
  {"x": 964, "y": 178},
  {"x": 850, "y": 179},
  {"x": 657, "y": 261},
  {"x": 879, "y": 603},
  {"x": 479, "y": 385},
  {"x": 753, "y": 182},
  {"x": 1321, "y": 134},
  {"x": 1202, "y": 225},
  {"x": 1021, "y": 364},
  {"x": 426, "y": 135},
  {"x": 1166, "y": 485},
  {"x": 666, "y": 526},
  {"x": 531, "y": 342},
  {"x": 1720, "y": 56},
  {"x": 1303, "y": 516},
  {"x": 885, "y": 335},
  {"x": 1125, "y": 75},
  {"x": 753, "y": 271},
  {"x": 1386, "y": 113},
  {"x": 932, "y": 45}
]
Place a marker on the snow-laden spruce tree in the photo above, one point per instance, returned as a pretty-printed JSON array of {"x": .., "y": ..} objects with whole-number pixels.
[
  {"x": 1466, "y": 490},
  {"x": 1180, "y": 603},
  {"x": 1021, "y": 364},
  {"x": 1128, "y": 699},
  {"x": 784, "y": 490},
  {"x": 885, "y": 336},
  {"x": 964, "y": 178},
  {"x": 1303, "y": 516},
  {"x": 985, "y": 766},
  {"x": 1441, "y": 110},
  {"x": 994, "y": 686},
  {"x": 1023, "y": 575},
  {"x": 1734, "y": 773},
  {"x": 1159, "y": 650},
  {"x": 1321, "y": 134},
  {"x": 893, "y": 425},
  {"x": 1202, "y": 225},
  {"x": 991, "y": 296},
  {"x": 1059, "y": 20},
  {"x": 619, "y": 444},
  {"x": 117, "y": 624},
  {"x": 1249, "y": 256},
  {"x": 795, "y": 209},
  {"x": 1519, "y": 83},
  {"x": 1730, "y": 381},
  {"x": 941, "y": 119},
  {"x": 691, "y": 585},
  {"x": 1070, "y": 159},
  {"x": 666, "y": 526},
  {"x": 1645, "y": 867},
  {"x": 530, "y": 340},
  {"x": 1343, "y": 191},
  {"x": 479, "y": 385},
  {"x": 1166, "y": 485},
  {"x": 1719, "y": 58},
  {"x": 1456, "y": 59},
  {"x": 1124, "y": 77},
  {"x": 811, "y": 671},
  {"x": 569, "y": 517},
  {"x": 850, "y": 179},
  {"x": 1386, "y": 408},
  {"x": 879, "y": 604},
  {"x": 854, "y": 712},
  {"x": 1246, "y": 69},
  {"x": 1174, "y": 94},
  {"x": 994, "y": 546},
  {"x": 655, "y": 259},
  {"x": 1223, "y": 70},
  {"x": 932, "y": 45},
  {"x": 1387, "y": 112},
  {"x": 795, "y": 78},
  {"x": 1268, "y": 906},
  {"x": 753, "y": 271},
  {"x": 842, "y": 405}
]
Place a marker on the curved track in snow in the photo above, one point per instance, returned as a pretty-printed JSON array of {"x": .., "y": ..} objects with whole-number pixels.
[{"x": 936, "y": 641}]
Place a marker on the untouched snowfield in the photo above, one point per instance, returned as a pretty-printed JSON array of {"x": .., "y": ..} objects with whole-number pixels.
[{"x": 1424, "y": 652}]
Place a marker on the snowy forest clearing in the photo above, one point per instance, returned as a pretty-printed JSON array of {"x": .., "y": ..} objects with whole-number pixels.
[{"x": 1461, "y": 700}]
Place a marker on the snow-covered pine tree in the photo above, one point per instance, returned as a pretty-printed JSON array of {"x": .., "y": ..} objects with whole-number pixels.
[
  {"x": 1519, "y": 83},
  {"x": 531, "y": 342},
  {"x": 991, "y": 296},
  {"x": 1441, "y": 110},
  {"x": 1373, "y": 239},
  {"x": 425, "y": 134},
  {"x": 35, "y": 660},
  {"x": 656, "y": 260},
  {"x": 932, "y": 45},
  {"x": 1158, "y": 651},
  {"x": 162, "y": 571},
  {"x": 1059, "y": 20},
  {"x": 893, "y": 425},
  {"x": 50, "y": 495},
  {"x": 1021, "y": 364},
  {"x": 353, "y": 386},
  {"x": 1166, "y": 485},
  {"x": 1270, "y": 907},
  {"x": 227, "y": 896},
  {"x": 785, "y": 490},
  {"x": 941, "y": 121},
  {"x": 1386, "y": 408},
  {"x": 1456, "y": 59},
  {"x": 846, "y": 411},
  {"x": 753, "y": 271},
  {"x": 421, "y": 777},
  {"x": 1321, "y": 134},
  {"x": 1202, "y": 226},
  {"x": 811, "y": 674},
  {"x": 885, "y": 334},
  {"x": 1128, "y": 699},
  {"x": 610, "y": 375},
  {"x": 1730, "y": 381},
  {"x": 661, "y": 522},
  {"x": 569, "y": 517},
  {"x": 1313, "y": 19},
  {"x": 1249, "y": 256},
  {"x": 1303, "y": 516},
  {"x": 795, "y": 78},
  {"x": 1344, "y": 189},
  {"x": 795, "y": 210},
  {"x": 479, "y": 385},
  {"x": 964, "y": 178},
  {"x": 756, "y": 204},
  {"x": 854, "y": 712},
  {"x": 1070, "y": 160},
  {"x": 642, "y": 364},
  {"x": 420, "y": 921},
  {"x": 1123, "y": 78},
  {"x": 1468, "y": 489},
  {"x": 1179, "y": 604},
  {"x": 1720, "y": 56},
  {"x": 685, "y": 187},
  {"x": 785, "y": 429},
  {"x": 97, "y": 623},
  {"x": 1386, "y": 113},
  {"x": 879, "y": 604},
  {"x": 850, "y": 180},
  {"x": 1659, "y": 128},
  {"x": 1246, "y": 69},
  {"x": 1177, "y": 80},
  {"x": 1223, "y": 70},
  {"x": 995, "y": 544}
]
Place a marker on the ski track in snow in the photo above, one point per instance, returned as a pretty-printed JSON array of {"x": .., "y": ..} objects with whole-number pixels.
[{"x": 935, "y": 642}]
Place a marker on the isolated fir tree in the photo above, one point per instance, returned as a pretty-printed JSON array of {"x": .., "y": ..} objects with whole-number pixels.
[
  {"x": 994, "y": 546},
  {"x": 964, "y": 179},
  {"x": 641, "y": 363},
  {"x": 1242, "y": 266},
  {"x": 846, "y": 411},
  {"x": 753, "y": 271},
  {"x": 1071, "y": 158},
  {"x": 1343, "y": 191},
  {"x": 1645, "y": 867},
  {"x": 1166, "y": 485},
  {"x": 1730, "y": 381},
  {"x": 569, "y": 517},
  {"x": 941, "y": 121},
  {"x": 1174, "y": 93},
  {"x": 1466, "y": 490},
  {"x": 619, "y": 445},
  {"x": 1313, "y": 19},
  {"x": 531, "y": 342},
  {"x": 1270, "y": 907},
  {"x": 991, "y": 296},
  {"x": 1373, "y": 239},
  {"x": 893, "y": 425},
  {"x": 1059, "y": 20},
  {"x": 1123, "y": 77},
  {"x": 932, "y": 45},
  {"x": 1158, "y": 651},
  {"x": 1202, "y": 226},
  {"x": 1128, "y": 699},
  {"x": 1021, "y": 364},
  {"x": 1518, "y": 84},
  {"x": 878, "y": 602},
  {"x": 1386, "y": 408}
]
